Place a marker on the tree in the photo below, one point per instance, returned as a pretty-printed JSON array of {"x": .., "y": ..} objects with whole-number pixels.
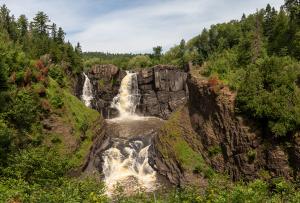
[
  {"x": 4, "y": 17},
  {"x": 40, "y": 23},
  {"x": 60, "y": 36},
  {"x": 22, "y": 25},
  {"x": 140, "y": 61},
  {"x": 53, "y": 32},
  {"x": 293, "y": 7},
  {"x": 269, "y": 21},
  {"x": 78, "y": 48},
  {"x": 269, "y": 93},
  {"x": 157, "y": 52},
  {"x": 279, "y": 41}
]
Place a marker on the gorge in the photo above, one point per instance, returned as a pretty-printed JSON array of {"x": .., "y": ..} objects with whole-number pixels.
[
  {"x": 136, "y": 149},
  {"x": 123, "y": 151},
  {"x": 212, "y": 119}
]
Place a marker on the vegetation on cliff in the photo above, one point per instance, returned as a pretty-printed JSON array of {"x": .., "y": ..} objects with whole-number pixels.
[
  {"x": 45, "y": 131},
  {"x": 258, "y": 56}
]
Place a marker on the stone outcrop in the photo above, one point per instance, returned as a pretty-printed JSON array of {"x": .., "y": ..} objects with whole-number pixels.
[
  {"x": 163, "y": 89},
  {"x": 227, "y": 141},
  {"x": 231, "y": 143}
]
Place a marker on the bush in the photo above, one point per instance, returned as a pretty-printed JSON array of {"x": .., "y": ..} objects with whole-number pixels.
[
  {"x": 36, "y": 165},
  {"x": 57, "y": 74},
  {"x": 57, "y": 102},
  {"x": 66, "y": 190},
  {"x": 269, "y": 93},
  {"x": 5, "y": 142},
  {"x": 139, "y": 62},
  {"x": 19, "y": 77},
  {"x": 23, "y": 110}
]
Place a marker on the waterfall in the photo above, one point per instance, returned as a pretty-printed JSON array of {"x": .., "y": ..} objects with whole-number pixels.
[
  {"x": 126, "y": 161},
  {"x": 126, "y": 164},
  {"x": 128, "y": 98},
  {"x": 87, "y": 94}
]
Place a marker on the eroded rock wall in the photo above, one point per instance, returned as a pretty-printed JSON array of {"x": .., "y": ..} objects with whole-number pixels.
[
  {"x": 233, "y": 144},
  {"x": 163, "y": 89}
]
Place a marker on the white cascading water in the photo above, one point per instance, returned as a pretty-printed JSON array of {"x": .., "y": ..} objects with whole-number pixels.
[
  {"x": 87, "y": 93},
  {"x": 128, "y": 166},
  {"x": 126, "y": 162},
  {"x": 128, "y": 98}
]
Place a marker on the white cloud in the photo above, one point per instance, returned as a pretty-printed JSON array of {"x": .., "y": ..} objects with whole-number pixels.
[{"x": 137, "y": 27}]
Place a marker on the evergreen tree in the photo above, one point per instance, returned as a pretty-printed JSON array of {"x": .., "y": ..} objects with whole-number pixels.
[
  {"x": 54, "y": 31},
  {"x": 269, "y": 21},
  {"x": 22, "y": 25},
  {"x": 40, "y": 23},
  {"x": 157, "y": 52},
  {"x": 4, "y": 17},
  {"x": 78, "y": 48},
  {"x": 280, "y": 40},
  {"x": 60, "y": 36}
]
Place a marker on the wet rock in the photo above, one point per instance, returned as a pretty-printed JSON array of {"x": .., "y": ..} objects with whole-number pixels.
[{"x": 162, "y": 88}]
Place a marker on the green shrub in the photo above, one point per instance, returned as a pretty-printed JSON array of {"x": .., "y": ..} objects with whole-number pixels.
[
  {"x": 23, "y": 110},
  {"x": 84, "y": 126},
  {"x": 57, "y": 101},
  {"x": 251, "y": 155},
  {"x": 57, "y": 74},
  {"x": 36, "y": 165},
  {"x": 20, "y": 77},
  {"x": 269, "y": 93},
  {"x": 214, "y": 150},
  {"x": 5, "y": 142},
  {"x": 140, "y": 61}
]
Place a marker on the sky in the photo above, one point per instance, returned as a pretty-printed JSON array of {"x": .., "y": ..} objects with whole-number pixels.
[{"x": 135, "y": 26}]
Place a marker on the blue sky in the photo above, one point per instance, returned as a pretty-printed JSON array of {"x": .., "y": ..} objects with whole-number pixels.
[{"x": 120, "y": 26}]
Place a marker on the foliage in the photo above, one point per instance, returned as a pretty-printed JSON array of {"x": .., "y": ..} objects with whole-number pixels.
[
  {"x": 57, "y": 74},
  {"x": 23, "y": 110},
  {"x": 37, "y": 175},
  {"x": 269, "y": 92},
  {"x": 36, "y": 165},
  {"x": 5, "y": 142},
  {"x": 120, "y": 60},
  {"x": 57, "y": 102},
  {"x": 139, "y": 62}
]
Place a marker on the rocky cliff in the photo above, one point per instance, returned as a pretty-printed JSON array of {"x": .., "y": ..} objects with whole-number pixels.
[
  {"x": 163, "y": 89},
  {"x": 233, "y": 144},
  {"x": 203, "y": 130},
  {"x": 209, "y": 127}
]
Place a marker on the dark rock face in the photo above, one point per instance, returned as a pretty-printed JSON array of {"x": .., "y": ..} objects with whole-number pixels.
[
  {"x": 163, "y": 89},
  {"x": 106, "y": 81},
  {"x": 244, "y": 152}
]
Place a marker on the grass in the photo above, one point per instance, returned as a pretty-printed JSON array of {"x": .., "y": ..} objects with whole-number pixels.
[
  {"x": 74, "y": 114},
  {"x": 174, "y": 145}
]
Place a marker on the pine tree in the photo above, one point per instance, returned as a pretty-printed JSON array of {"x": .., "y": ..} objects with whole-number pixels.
[
  {"x": 60, "y": 36},
  {"x": 22, "y": 25},
  {"x": 40, "y": 23},
  {"x": 53, "y": 32},
  {"x": 157, "y": 52},
  {"x": 4, "y": 17},
  {"x": 78, "y": 48},
  {"x": 269, "y": 20}
]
